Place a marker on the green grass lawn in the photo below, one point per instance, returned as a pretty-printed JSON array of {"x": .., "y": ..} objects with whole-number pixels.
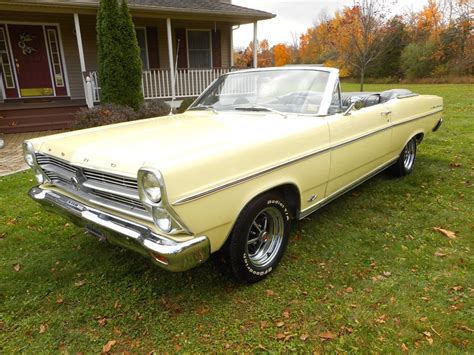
[{"x": 365, "y": 273}]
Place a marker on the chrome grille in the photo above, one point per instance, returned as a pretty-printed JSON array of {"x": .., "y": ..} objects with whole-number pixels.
[
  {"x": 121, "y": 199},
  {"x": 110, "y": 179},
  {"x": 114, "y": 191}
]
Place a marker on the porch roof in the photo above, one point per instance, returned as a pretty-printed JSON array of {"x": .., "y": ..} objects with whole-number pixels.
[{"x": 211, "y": 8}]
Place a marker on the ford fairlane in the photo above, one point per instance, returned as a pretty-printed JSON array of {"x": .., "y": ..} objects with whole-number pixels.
[{"x": 256, "y": 151}]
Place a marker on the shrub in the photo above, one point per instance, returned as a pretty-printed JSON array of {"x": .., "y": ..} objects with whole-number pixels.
[
  {"x": 185, "y": 104},
  {"x": 103, "y": 115},
  {"x": 153, "y": 108},
  {"x": 111, "y": 113}
]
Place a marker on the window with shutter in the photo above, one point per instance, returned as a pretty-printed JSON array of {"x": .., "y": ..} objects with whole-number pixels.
[{"x": 199, "y": 48}]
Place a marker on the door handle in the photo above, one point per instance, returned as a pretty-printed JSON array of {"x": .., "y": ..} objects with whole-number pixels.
[{"x": 386, "y": 112}]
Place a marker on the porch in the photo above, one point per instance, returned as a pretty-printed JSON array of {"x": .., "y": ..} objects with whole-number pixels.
[
  {"x": 48, "y": 54},
  {"x": 158, "y": 83}
]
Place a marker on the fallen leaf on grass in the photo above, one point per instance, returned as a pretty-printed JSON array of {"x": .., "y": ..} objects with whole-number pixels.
[
  {"x": 457, "y": 288},
  {"x": 429, "y": 339},
  {"x": 79, "y": 283},
  {"x": 466, "y": 328},
  {"x": 280, "y": 324},
  {"x": 117, "y": 304},
  {"x": 59, "y": 300},
  {"x": 17, "y": 267},
  {"x": 280, "y": 336},
  {"x": 347, "y": 330},
  {"x": 404, "y": 347},
  {"x": 102, "y": 321},
  {"x": 11, "y": 222},
  {"x": 304, "y": 336},
  {"x": 106, "y": 348},
  {"x": 42, "y": 328},
  {"x": 441, "y": 255},
  {"x": 227, "y": 346},
  {"x": 381, "y": 319},
  {"x": 3, "y": 235},
  {"x": 269, "y": 293},
  {"x": 445, "y": 232},
  {"x": 286, "y": 313},
  {"x": 263, "y": 324},
  {"x": 457, "y": 306},
  {"x": 327, "y": 335},
  {"x": 348, "y": 290}
]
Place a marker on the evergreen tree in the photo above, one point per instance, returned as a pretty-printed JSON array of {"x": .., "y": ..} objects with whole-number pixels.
[
  {"x": 131, "y": 62},
  {"x": 118, "y": 55}
]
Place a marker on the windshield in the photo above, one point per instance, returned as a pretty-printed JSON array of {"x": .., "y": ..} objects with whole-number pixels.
[{"x": 282, "y": 91}]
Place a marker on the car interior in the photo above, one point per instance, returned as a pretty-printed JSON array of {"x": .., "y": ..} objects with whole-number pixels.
[{"x": 373, "y": 98}]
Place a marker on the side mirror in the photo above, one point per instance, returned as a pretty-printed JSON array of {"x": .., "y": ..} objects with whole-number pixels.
[{"x": 356, "y": 104}]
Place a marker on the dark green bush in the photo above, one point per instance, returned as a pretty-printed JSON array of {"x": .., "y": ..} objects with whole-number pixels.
[
  {"x": 111, "y": 113},
  {"x": 154, "y": 108},
  {"x": 103, "y": 115}
]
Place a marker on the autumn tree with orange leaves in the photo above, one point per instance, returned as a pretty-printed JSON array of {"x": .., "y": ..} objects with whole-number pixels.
[{"x": 364, "y": 40}]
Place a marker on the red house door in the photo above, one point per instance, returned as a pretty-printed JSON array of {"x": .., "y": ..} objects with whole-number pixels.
[{"x": 30, "y": 59}]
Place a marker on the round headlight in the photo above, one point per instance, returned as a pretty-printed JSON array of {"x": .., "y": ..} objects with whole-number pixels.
[
  {"x": 162, "y": 219},
  {"x": 151, "y": 187}
]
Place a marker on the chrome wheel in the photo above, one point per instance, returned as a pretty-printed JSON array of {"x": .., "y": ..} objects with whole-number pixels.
[
  {"x": 265, "y": 237},
  {"x": 409, "y": 155}
]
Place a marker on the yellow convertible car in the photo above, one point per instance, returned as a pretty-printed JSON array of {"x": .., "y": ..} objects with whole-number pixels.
[{"x": 257, "y": 150}]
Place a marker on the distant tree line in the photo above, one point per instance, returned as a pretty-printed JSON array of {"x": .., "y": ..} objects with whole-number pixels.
[{"x": 365, "y": 40}]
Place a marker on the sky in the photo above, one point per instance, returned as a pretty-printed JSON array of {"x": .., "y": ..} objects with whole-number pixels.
[{"x": 296, "y": 16}]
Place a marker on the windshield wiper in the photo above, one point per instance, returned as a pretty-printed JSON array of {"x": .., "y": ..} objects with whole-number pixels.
[
  {"x": 203, "y": 107},
  {"x": 261, "y": 109}
]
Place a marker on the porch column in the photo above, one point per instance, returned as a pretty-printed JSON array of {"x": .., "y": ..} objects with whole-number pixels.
[
  {"x": 231, "y": 46},
  {"x": 87, "y": 92},
  {"x": 170, "y": 55},
  {"x": 255, "y": 45}
]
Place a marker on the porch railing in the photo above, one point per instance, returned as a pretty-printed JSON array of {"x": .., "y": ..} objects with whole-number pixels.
[{"x": 156, "y": 83}]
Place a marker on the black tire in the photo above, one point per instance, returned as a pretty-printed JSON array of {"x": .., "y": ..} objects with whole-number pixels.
[
  {"x": 255, "y": 247},
  {"x": 406, "y": 161}
]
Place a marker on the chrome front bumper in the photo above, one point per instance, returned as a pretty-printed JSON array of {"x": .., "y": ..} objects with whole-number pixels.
[{"x": 163, "y": 251}]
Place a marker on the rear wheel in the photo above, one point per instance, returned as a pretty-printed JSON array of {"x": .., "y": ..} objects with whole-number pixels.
[
  {"x": 406, "y": 161},
  {"x": 259, "y": 238}
]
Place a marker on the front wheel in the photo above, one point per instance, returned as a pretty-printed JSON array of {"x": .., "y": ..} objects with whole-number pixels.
[
  {"x": 406, "y": 161},
  {"x": 259, "y": 238}
]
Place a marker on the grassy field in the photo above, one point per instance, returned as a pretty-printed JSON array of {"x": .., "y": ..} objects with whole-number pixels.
[{"x": 366, "y": 273}]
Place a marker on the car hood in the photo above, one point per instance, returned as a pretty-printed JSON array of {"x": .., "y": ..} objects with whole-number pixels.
[{"x": 182, "y": 145}]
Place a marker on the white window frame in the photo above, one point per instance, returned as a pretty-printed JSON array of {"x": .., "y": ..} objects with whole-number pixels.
[
  {"x": 53, "y": 64},
  {"x": 9, "y": 64},
  {"x": 210, "y": 45},
  {"x": 147, "y": 64}
]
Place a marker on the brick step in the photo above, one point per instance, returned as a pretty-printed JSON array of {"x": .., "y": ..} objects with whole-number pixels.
[{"x": 37, "y": 119}]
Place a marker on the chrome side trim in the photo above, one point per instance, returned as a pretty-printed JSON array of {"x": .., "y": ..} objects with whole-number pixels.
[
  {"x": 289, "y": 162},
  {"x": 249, "y": 177},
  {"x": 345, "y": 189},
  {"x": 416, "y": 118}
]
